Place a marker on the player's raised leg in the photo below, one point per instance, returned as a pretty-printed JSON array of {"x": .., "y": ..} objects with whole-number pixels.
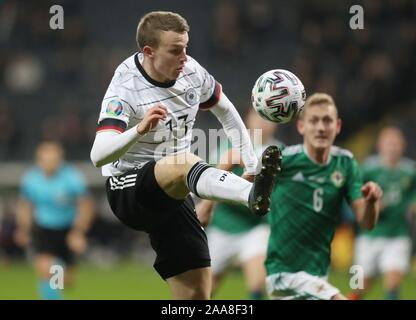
[{"x": 179, "y": 174}]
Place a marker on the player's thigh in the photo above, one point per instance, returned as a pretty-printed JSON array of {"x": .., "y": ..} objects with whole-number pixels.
[
  {"x": 366, "y": 255},
  {"x": 180, "y": 243},
  {"x": 171, "y": 172},
  {"x": 396, "y": 254},
  {"x": 223, "y": 247},
  {"x": 299, "y": 285},
  {"x": 138, "y": 201}
]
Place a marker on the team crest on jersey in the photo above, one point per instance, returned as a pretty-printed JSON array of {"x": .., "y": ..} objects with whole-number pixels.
[
  {"x": 337, "y": 178},
  {"x": 114, "y": 108},
  {"x": 191, "y": 96}
]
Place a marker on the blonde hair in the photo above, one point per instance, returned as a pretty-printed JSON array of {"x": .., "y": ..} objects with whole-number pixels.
[
  {"x": 319, "y": 98},
  {"x": 151, "y": 25}
]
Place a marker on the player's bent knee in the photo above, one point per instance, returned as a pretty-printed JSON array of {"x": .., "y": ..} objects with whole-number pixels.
[
  {"x": 43, "y": 264},
  {"x": 172, "y": 170}
]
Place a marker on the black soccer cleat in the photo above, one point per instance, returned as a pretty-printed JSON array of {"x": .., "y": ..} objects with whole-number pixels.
[{"x": 264, "y": 181}]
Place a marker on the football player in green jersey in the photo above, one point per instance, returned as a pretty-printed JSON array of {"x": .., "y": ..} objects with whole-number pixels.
[
  {"x": 306, "y": 204},
  {"x": 236, "y": 237},
  {"x": 387, "y": 248}
]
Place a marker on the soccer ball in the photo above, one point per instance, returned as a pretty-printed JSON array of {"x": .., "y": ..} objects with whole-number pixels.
[{"x": 278, "y": 95}]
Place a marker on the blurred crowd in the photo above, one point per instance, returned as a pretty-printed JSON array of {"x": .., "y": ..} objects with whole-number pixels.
[{"x": 52, "y": 81}]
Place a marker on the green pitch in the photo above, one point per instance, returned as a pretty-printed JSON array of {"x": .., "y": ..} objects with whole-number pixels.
[{"x": 130, "y": 280}]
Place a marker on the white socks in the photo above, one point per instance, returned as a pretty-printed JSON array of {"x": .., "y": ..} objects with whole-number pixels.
[{"x": 218, "y": 185}]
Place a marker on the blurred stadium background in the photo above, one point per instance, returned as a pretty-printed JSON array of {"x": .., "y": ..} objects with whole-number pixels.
[{"x": 52, "y": 83}]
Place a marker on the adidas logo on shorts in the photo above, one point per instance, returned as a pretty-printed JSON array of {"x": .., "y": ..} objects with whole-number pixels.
[{"x": 123, "y": 182}]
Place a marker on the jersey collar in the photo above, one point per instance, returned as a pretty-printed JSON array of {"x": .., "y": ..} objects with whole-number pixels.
[
  {"x": 305, "y": 150},
  {"x": 148, "y": 78}
]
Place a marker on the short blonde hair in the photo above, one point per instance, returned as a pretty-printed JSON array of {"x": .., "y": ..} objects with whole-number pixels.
[
  {"x": 151, "y": 25},
  {"x": 319, "y": 98}
]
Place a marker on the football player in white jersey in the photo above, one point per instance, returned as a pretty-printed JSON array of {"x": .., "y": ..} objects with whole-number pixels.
[{"x": 143, "y": 144}]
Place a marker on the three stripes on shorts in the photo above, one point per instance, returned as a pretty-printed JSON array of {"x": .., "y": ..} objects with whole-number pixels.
[{"x": 123, "y": 182}]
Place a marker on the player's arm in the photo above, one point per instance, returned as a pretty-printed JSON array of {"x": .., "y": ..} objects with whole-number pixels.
[
  {"x": 204, "y": 210},
  {"x": 412, "y": 205},
  {"x": 236, "y": 131},
  {"x": 367, "y": 208},
  {"x": 24, "y": 212},
  {"x": 109, "y": 144},
  {"x": 86, "y": 214}
]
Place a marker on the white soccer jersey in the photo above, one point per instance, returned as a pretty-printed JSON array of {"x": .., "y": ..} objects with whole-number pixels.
[{"x": 132, "y": 92}]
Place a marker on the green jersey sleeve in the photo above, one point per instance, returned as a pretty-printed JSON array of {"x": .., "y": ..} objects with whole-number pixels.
[{"x": 354, "y": 182}]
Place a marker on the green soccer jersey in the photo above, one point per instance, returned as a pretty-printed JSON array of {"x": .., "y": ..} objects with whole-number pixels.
[
  {"x": 237, "y": 218},
  {"x": 306, "y": 207},
  {"x": 399, "y": 188}
]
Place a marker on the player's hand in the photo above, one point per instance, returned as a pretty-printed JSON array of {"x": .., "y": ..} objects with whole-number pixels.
[
  {"x": 204, "y": 212},
  {"x": 22, "y": 237},
  {"x": 248, "y": 177},
  {"x": 372, "y": 192},
  {"x": 151, "y": 118},
  {"x": 77, "y": 241}
]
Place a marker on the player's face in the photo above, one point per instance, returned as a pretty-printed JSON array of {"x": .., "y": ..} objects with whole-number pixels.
[
  {"x": 391, "y": 143},
  {"x": 170, "y": 56},
  {"x": 319, "y": 126},
  {"x": 49, "y": 157}
]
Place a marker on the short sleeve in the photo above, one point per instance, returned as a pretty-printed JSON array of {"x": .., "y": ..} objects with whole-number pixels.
[
  {"x": 354, "y": 182},
  {"x": 78, "y": 183},
  {"x": 26, "y": 190}
]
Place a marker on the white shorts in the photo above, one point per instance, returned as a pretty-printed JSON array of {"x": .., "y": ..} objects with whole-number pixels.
[
  {"x": 382, "y": 254},
  {"x": 299, "y": 286},
  {"x": 227, "y": 249}
]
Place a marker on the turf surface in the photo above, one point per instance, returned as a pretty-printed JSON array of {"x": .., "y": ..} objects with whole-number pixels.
[{"x": 130, "y": 280}]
